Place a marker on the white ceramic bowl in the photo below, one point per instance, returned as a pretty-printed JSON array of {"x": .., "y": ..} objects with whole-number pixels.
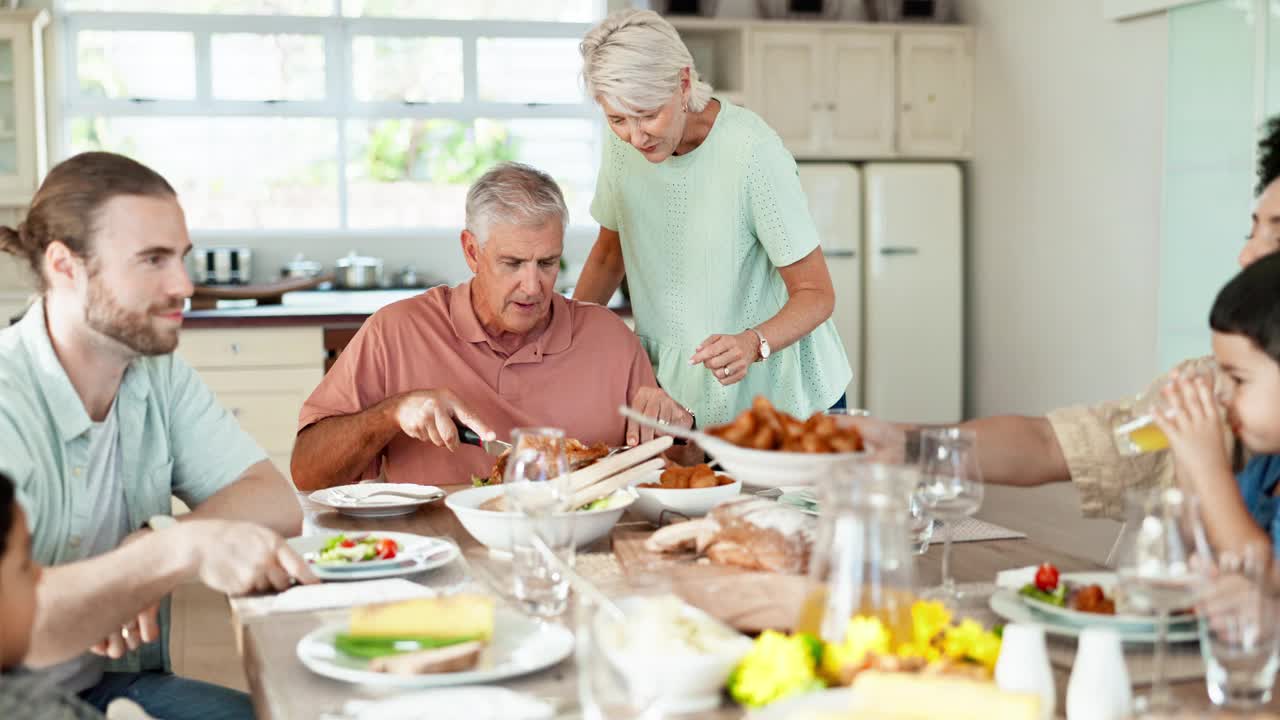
[
  {"x": 493, "y": 529},
  {"x": 691, "y": 503},
  {"x": 774, "y": 468},
  {"x": 690, "y": 682}
]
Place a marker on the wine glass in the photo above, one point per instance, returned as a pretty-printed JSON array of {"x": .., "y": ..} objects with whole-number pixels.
[
  {"x": 951, "y": 489},
  {"x": 534, "y": 486},
  {"x": 1158, "y": 571}
]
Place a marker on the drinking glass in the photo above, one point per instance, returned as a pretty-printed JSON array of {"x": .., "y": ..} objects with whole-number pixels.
[
  {"x": 534, "y": 486},
  {"x": 1158, "y": 571},
  {"x": 1137, "y": 432},
  {"x": 951, "y": 489},
  {"x": 1239, "y": 638}
]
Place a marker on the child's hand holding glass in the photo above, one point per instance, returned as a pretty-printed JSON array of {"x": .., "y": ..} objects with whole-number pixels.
[{"x": 1192, "y": 417}]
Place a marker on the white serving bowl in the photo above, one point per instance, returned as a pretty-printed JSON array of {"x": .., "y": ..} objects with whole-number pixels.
[
  {"x": 493, "y": 529},
  {"x": 690, "y": 682},
  {"x": 759, "y": 469},
  {"x": 690, "y": 503}
]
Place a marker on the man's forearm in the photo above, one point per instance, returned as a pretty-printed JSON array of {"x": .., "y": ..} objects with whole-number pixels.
[
  {"x": 334, "y": 451},
  {"x": 1016, "y": 450},
  {"x": 262, "y": 496},
  {"x": 80, "y": 603}
]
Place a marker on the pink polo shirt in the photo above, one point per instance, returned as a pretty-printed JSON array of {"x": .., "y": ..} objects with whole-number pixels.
[{"x": 573, "y": 376}]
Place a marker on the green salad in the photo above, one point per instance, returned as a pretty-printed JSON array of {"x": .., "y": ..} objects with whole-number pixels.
[{"x": 343, "y": 549}]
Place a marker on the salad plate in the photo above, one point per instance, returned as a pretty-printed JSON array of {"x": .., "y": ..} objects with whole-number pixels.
[{"x": 354, "y": 555}]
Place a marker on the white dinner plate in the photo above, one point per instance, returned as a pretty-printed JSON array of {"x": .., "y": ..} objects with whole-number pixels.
[
  {"x": 379, "y": 506},
  {"x": 1009, "y": 605},
  {"x": 520, "y": 645},
  {"x": 417, "y": 553},
  {"x": 836, "y": 701},
  {"x": 1122, "y": 623}
]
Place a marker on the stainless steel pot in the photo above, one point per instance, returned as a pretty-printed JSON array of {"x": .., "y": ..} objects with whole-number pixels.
[
  {"x": 221, "y": 266},
  {"x": 300, "y": 267},
  {"x": 358, "y": 272}
]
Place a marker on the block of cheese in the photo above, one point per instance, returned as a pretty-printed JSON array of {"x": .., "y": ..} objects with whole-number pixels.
[
  {"x": 913, "y": 696},
  {"x": 451, "y": 616}
]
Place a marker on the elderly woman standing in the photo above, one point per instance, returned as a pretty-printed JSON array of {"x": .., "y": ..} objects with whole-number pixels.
[{"x": 701, "y": 209}]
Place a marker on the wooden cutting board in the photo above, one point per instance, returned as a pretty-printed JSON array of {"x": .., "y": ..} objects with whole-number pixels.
[{"x": 748, "y": 600}]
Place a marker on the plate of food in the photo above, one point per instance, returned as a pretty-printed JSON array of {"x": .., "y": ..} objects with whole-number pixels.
[
  {"x": 1066, "y": 604},
  {"x": 1090, "y": 599},
  {"x": 433, "y": 642},
  {"x": 369, "y": 555},
  {"x": 680, "y": 493},
  {"x": 376, "y": 499}
]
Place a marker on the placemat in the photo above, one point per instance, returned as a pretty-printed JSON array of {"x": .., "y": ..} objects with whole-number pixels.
[{"x": 973, "y": 529}]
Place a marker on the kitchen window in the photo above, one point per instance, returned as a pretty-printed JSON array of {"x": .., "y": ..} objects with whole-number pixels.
[{"x": 316, "y": 115}]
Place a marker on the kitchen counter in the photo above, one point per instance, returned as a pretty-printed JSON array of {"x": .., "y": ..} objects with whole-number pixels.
[
  {"x": 298, "y": 308},
  {"x": 326, "y": 308}
]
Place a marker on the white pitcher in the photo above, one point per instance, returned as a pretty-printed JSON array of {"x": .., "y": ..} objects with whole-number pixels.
[{"x": 1024, "y": 666}]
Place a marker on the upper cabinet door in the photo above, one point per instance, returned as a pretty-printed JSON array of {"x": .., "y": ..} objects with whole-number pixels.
[
  {"x": 786, "y": 88},
  {"x": 935, "y": 87},
  {"x": 860, "y": 93}
]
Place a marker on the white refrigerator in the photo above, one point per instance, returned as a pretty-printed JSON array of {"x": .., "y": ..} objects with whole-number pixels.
[{"x": 892, "y": 234}]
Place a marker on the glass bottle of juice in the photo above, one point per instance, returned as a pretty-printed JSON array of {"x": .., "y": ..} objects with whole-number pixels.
[{"x": 862, "y": 559}]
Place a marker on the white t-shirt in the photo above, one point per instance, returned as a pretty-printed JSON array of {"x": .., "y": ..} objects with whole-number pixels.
[{"x": 104, "y": 489}]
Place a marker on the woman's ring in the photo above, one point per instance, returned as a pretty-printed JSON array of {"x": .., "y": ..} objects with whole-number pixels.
[{"x": 725, "y": 372}]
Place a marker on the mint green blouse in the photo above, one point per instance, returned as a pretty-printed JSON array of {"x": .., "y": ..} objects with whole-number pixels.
[{"x": 703, "y": 235}]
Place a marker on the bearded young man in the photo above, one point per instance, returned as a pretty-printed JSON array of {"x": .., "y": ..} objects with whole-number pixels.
[{"x": 100, "y": 423}]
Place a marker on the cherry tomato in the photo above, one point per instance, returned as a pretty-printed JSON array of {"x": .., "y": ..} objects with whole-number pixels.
[
  {"x": 348, "y": 543},
  {"x": 386, "y": 549},
  {"x": 1047, "y": 577}
]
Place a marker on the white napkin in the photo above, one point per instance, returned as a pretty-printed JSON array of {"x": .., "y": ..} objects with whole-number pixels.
[
  {"x": 347, "y": 594},
  {"x": 472, "y": 703},
  {"x": 1017, "y": 577}
]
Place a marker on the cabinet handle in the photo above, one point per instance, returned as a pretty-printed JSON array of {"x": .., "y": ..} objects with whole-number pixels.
[
  {"x": 831, "y": 106},
  {"x": 906, "y": 107},
  {"x": 235, "y": 348},
  {"x": 898, "y": 250},
  {"x": 840, "y": 253},
  {"x": 235, "y": 412}
]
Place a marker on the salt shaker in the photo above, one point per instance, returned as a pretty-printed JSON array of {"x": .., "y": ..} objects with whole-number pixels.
[
  {"x": 1099, "y": 688},
  {"x": 1023, "y": 665}
]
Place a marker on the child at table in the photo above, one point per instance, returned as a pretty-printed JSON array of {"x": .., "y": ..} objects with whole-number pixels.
[
  {"x": 22, "y": 695},
  {"x": 1243, "y": 510}
]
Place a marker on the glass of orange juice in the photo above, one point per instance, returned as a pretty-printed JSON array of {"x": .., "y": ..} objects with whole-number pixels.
[{"x": 1139, "y": 433}]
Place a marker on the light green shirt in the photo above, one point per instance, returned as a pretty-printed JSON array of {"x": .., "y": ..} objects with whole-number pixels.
[
  {"x": 703, "y": 235},
  {"x": 174, "y": 439}
]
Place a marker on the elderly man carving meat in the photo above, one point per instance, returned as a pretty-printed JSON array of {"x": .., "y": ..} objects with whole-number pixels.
[{"x": 501, "y": 351}]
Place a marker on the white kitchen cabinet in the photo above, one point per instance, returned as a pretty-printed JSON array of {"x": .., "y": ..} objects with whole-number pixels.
[
  {"x": 860, "y": 85},
  {"x": 23, "y": 154},
  {"x": 864, "y": 91},
  {"x": 262, "y": 376},
  {"x": 789, "y": 88},
  {"x": 935, "y": 84}
]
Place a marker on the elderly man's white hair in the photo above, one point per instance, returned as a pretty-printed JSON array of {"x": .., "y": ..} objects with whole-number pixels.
[
  {"x": 513, "y": 194},
  {"x": 632, "y": 61}
]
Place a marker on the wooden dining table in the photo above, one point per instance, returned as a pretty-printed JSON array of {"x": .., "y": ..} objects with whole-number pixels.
[{"x": 283, "y": 689}]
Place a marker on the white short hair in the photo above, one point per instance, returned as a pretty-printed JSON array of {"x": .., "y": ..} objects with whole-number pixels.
[
  {"x": 632, "y": 61},
  {"x": 514, "y": 194}
]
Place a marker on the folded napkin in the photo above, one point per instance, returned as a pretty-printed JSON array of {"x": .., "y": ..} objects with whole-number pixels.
[
  {"x": 347, "y": 594},
  {"x": 1017, "y": 577},
  {"x": 472, "y": 703}
]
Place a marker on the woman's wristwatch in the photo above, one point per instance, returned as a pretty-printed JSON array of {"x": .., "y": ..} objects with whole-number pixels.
[{"x": 764, "y": 345}]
